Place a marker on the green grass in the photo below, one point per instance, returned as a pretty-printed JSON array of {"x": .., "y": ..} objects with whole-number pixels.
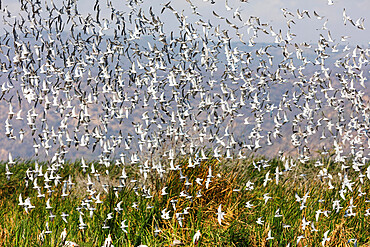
[{"x": 17, "y": 228}]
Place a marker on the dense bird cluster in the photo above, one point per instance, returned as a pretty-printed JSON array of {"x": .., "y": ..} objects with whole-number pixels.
[{"x": 118, "y": 84}]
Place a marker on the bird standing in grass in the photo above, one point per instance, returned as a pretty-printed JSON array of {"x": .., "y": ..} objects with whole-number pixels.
[
  {"x": 196, "y": 238},
  {"x": 177, "y": 242},
  {"x": 64, "y": 242},
  {"x": 63, "y": 235},
  {"x": 108, "y": 242},
  {"x": 70, "y": 244},
  {"x": 220, "y": 214}
]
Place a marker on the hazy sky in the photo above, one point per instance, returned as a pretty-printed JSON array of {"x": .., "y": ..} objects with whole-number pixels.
[{"x": 268, "y": 10}]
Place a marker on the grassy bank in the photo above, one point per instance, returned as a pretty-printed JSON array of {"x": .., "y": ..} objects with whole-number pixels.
[{"x": 231, "y": 186}]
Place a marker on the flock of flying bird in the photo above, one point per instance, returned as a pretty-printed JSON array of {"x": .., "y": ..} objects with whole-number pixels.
[{"x": 119, "y": 84}]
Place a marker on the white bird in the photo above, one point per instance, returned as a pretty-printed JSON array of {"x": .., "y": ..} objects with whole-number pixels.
[
  {"x": 305, "y": 223},
  {"x": 266, "y": 197},
  {"x": 354, "y": 241},
  {"x": 124, "y": 226},
  {"x": 165, "y": 214},
  {"x": 269, "y": 237},
  {"x": 11, "y": 161},
  {"x": 228, "y": 8},
  {"x": 325, "y": 239},
  {"x": 196, "y": 237},
  {"x": 118, "y": 206},
  {"x": 48, "y": 204},
  {"x": 163, "y": 192},
  {"x": 177, "y": 242},
  {"x": 108, "y": 242},
  {"x": 157, "y": 230},
  {"x": 313, "y": 227},
  {"x": 277, "y": 174},
  {"x": 63, "y": 235},
  {"x": 285, "y": 225},
  {"x": 21, "y": 203},
  {"x": 70, "y": 244},
  {"x": 277, "y": 213},
  {"x": 220, "y": 214},
  {"x": 248, "y": 204},
  {"x": 82, "y": 225},
  {"x": 64, "y": 217},
  {"x": 266, "y": 179},
  {"x": 28, "y": 205},
  {"x": 299, "y": 238},
  {"x": 259, "y": 221}
]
